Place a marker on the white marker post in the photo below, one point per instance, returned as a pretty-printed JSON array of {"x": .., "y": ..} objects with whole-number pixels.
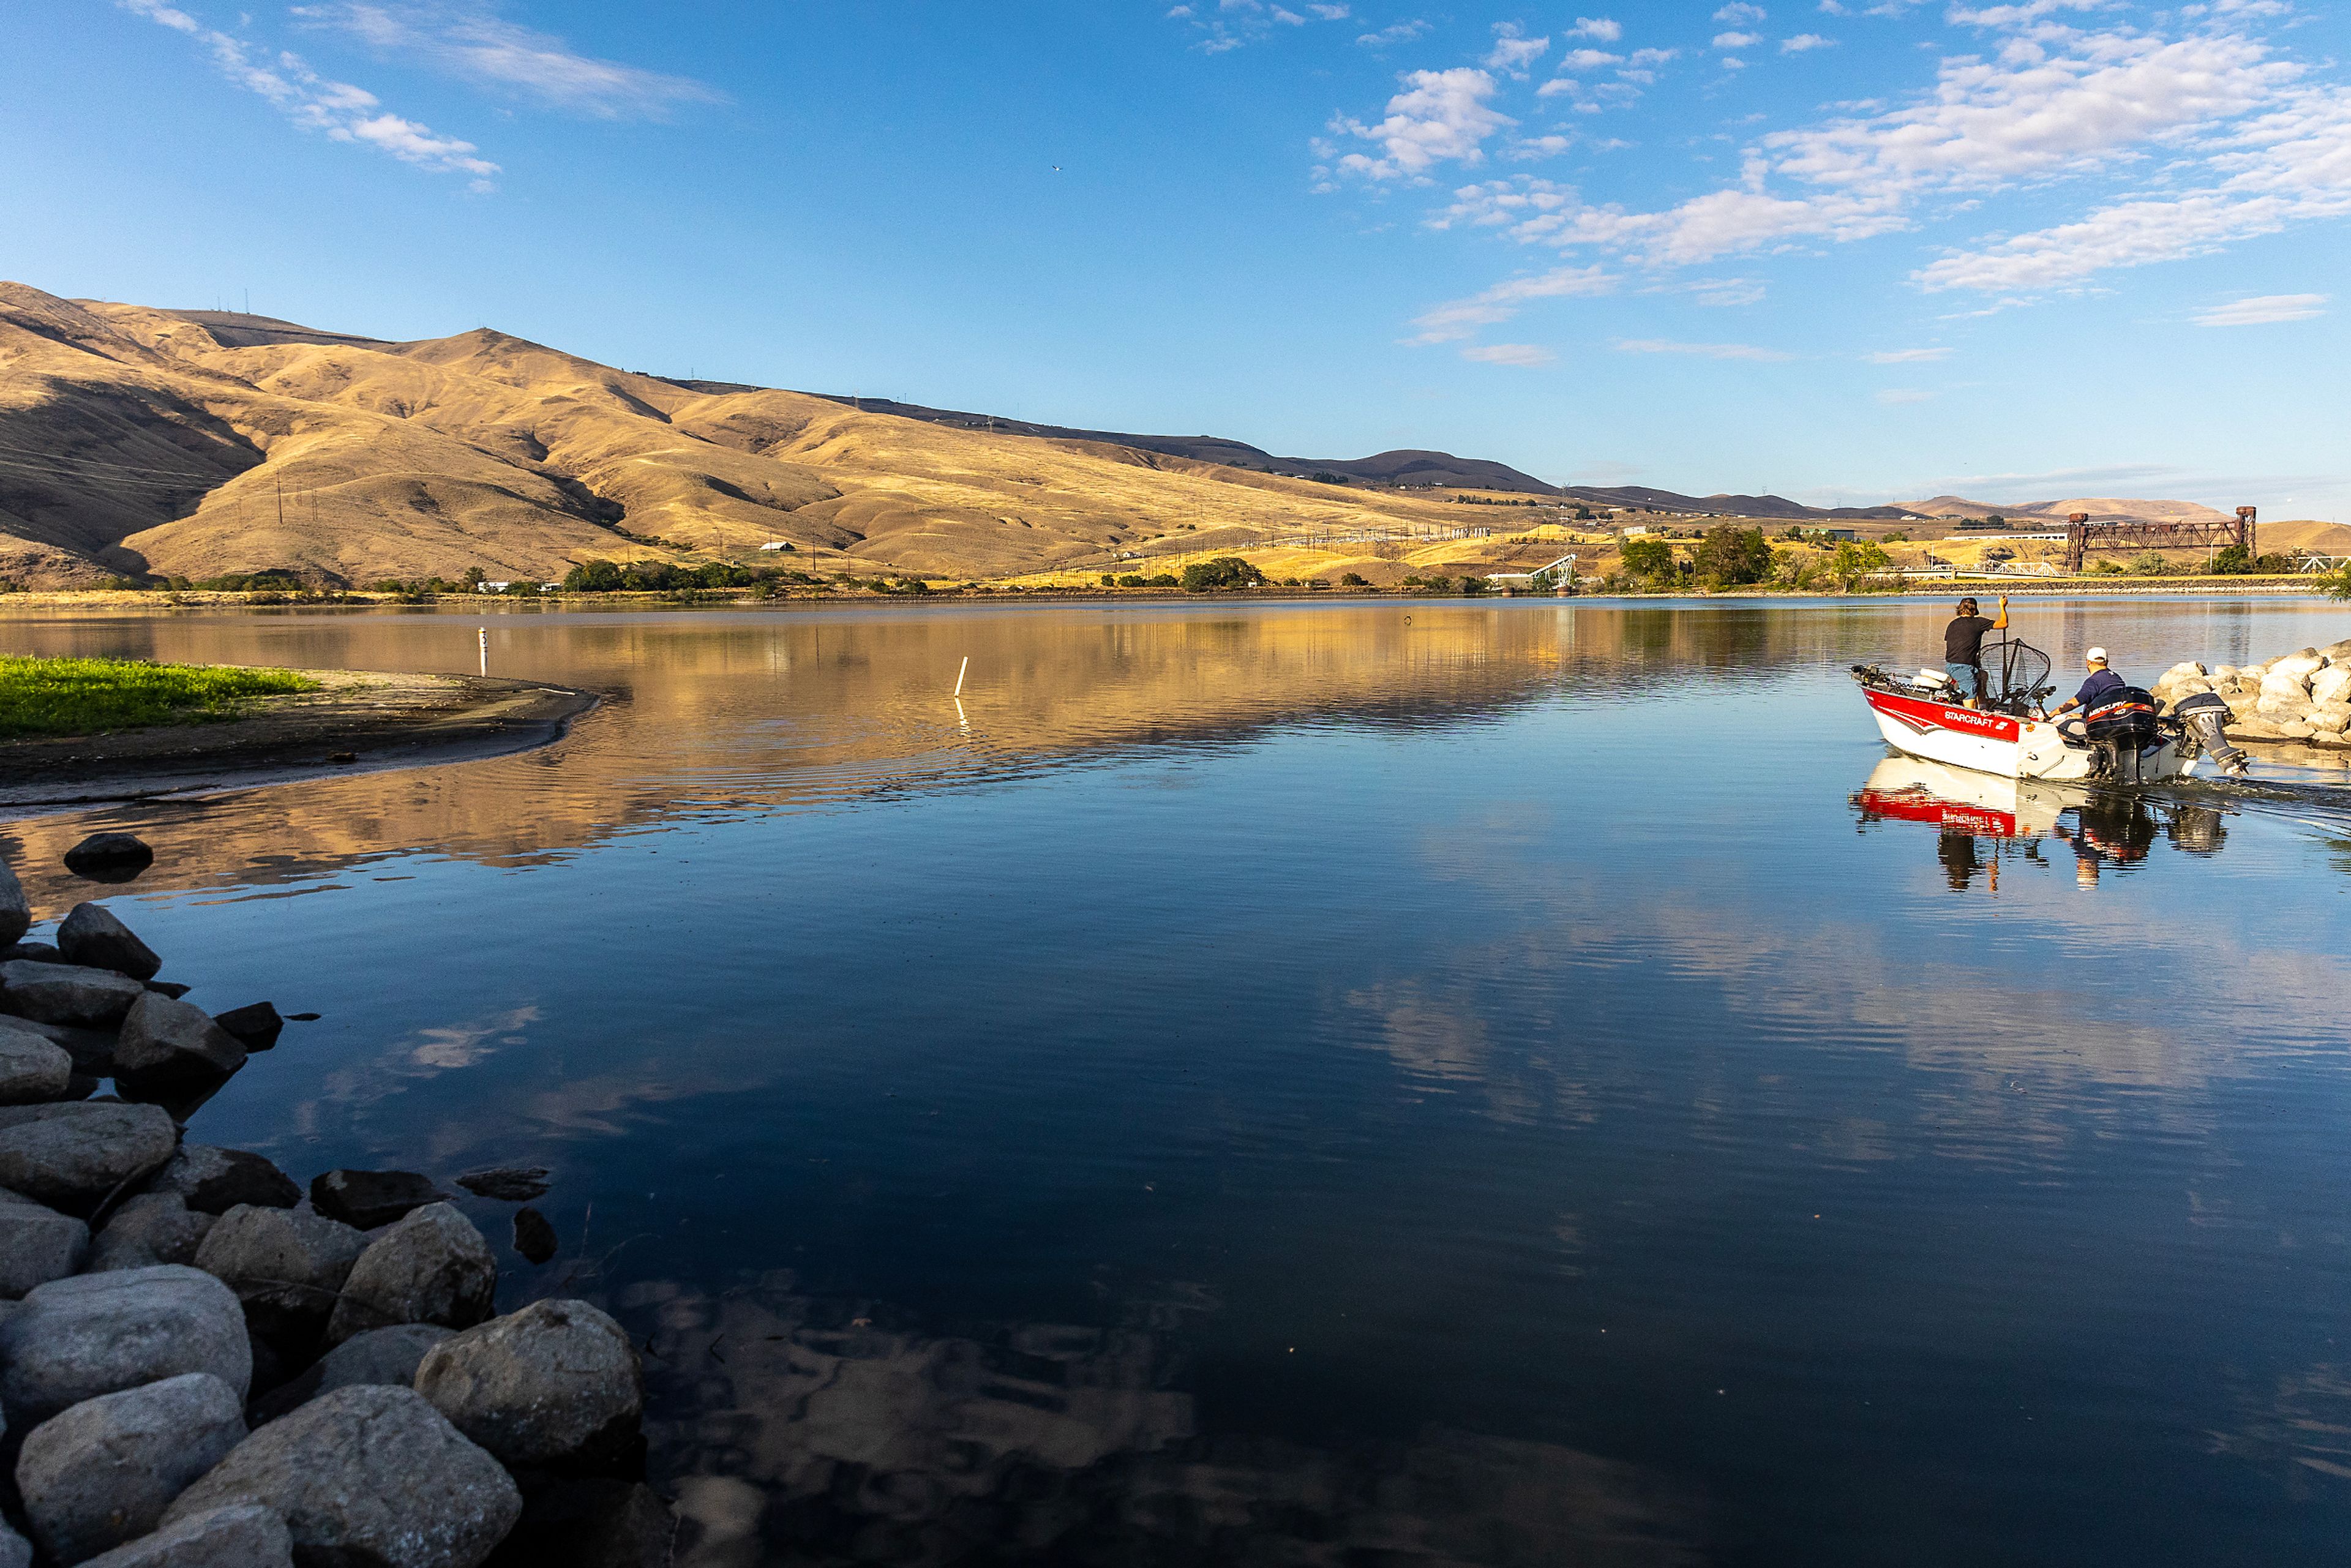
[
  {"x": 959, "y": 675},
  {"x": 484, "y": 634}
]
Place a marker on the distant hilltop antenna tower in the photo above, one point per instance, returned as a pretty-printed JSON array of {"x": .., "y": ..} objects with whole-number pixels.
[{"x": 2083, "y": 536}]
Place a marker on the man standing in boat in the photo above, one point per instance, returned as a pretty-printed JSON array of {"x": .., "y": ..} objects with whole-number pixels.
[{"x": 1963, "y": 648}]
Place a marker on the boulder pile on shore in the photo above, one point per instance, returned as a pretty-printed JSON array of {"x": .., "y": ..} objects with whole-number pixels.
[
  {"x": 2303, "y": 695},
  {"x": 203, "y": 1366}
]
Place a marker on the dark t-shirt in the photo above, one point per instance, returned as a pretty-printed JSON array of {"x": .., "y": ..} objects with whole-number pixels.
[
  {"x": 2100, "y": 683},
  {"x": 1963, "y": 640}
]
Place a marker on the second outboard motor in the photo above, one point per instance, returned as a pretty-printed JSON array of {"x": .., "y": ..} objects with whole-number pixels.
[
  {"x": 2205, "y": 717},
  {"x": 2123, "y": 727}
]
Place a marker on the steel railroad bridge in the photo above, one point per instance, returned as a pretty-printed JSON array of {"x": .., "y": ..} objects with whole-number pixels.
[{"x": 2083, "y": 536}]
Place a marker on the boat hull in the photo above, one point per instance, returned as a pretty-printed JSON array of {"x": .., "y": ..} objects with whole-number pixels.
[{"x": 1994, "y": 743}]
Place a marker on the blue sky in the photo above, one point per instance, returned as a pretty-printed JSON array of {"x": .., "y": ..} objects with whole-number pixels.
[{"x": 1838, "y": 250}]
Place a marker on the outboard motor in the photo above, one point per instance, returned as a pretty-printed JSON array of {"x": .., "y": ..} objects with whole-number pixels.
[
  {"x": 2205, "y": 717},
  {"x": 2122, "y": 728}
]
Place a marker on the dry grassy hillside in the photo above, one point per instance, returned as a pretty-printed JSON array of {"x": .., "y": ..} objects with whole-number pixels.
[{"x": 139, "y": 442}]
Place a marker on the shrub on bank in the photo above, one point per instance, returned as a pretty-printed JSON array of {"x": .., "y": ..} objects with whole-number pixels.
[{"x": 1220, "y": 571}]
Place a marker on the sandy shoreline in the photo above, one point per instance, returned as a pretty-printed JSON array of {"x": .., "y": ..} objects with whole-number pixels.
[{"x": 355, "y": 721}]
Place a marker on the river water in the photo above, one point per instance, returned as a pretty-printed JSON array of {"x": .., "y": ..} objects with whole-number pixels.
[{"x": 1405, "y": 1083}]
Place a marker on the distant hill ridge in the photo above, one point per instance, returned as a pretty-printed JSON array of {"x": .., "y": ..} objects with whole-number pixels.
[{"x": 165, "y": 443}]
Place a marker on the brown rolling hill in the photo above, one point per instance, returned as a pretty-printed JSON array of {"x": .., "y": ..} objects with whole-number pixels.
[
  {"x": 153, "y": 443},
  {"x": 139, "y": 442}
]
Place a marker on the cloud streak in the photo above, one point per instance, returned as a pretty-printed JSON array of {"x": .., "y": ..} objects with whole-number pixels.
[
  {"x": 2264, "y": 309},
  {"x": 336, "y": 110},
  {"x": 477, "y": 46}
]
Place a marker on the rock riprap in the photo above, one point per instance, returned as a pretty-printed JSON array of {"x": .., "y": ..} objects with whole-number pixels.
[
  {"x": 379, "y": 1355},
  {"x": 76, "y": 1339},
  {"x": 32, "y": 1068},
  {"x": 214, "y": 1180},
  {"x": 372, "y": 1198},
  {"x": 67, "y": 993},
  {"x": 71, "y": 1156},
  {"x": 102, "y": 1472},
  {"x": 165, "y": 1040},
  {"x": 242, "y": 1535},
  {"x": 38, "y": 1244},
  {"x": 16, "y": 909},
  {"x": 91, "y": 935},
  {"x": 373, "y": 1477},
  {"x": 164, "y": 1309},
  {"x": 150, "y": 1228},
  {"x": 287, "y": 1267},
  {"x": 2303, "y": 695},
  {"x": 431, "y": 1268},
  {"x": 556, "y": 1384}
]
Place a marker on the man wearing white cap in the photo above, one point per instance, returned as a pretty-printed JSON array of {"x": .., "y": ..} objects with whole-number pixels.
[{"x": 2101, "y": 684}]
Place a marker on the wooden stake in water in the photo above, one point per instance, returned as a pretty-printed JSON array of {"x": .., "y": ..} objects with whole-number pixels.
[
  {"x": 484, "y": 634},
  {"x": 960, "y": 674}
]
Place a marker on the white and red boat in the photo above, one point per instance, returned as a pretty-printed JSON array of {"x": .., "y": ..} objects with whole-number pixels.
[{"x": 2126, "y": 741}]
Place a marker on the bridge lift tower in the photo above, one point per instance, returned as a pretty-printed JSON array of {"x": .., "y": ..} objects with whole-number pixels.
[{"x": 2083, "y": 536}]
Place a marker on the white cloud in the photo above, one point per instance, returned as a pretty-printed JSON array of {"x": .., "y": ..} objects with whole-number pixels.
[
  {"x": 1599, "y": 29},
  {"x": 1394, "y": 33},
  {"x": 1895, "y": 395},
  {"x": 1461, "y": 318},
  {"x": 1803, "y": 43},
  {"x": 1653, "y": 57},
  {"x": 2290, "y": 165},
  {"x": 2072, "y": 104},
  {"x": 460, "y": 38},
  {"x": 1721, "y": 292},
  {"x": 339, "y": 111},
  {"x": 1538, "y": 147},
  {"x": 1707, "y": 350},
  {"x": 1736, "y": 40},
  {"x": 1513, "y": 53},
  {"x": 1739, "y": 11},
  {"x": 1906, "y": 356},
  {"x": 1440, "y": 117},
  {"x": 1522, "y": 354},
  {"x": 2261, "y": 309},
  {"x": 1733, "y": 63},
  {"x": 1588, "y": 61}
]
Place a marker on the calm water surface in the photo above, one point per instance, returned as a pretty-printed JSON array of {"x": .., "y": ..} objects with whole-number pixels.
[{"x": 1405, "y": 1084}]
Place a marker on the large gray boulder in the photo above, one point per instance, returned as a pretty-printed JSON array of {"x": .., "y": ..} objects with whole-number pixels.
[
  {"x": 215, "y": 1180},
  {"x": 91, "y": 935},
  {"x": 165, "y": 1039},
  {"x": 15, "y": 1551},
  {"x": 32, "y": 1070},
  {"x": 379, "y": 1355},
  {"x": 285, "y": 1265},
  {"x": 67, "y": 993},
  {"x": 153, "y": 1227},
  {"x": 38, "y": 1244},
  {"x": 76, "y": 1339},
  {"x": 71, "y": 1156},
  {"x": 367, "y": 1477},
  {"x": 16, "y": 909},
  {"x": 557, "y": 1384},
  {"x": 102, "y": 1473},
  {"x": 431, "y": 1268},
  {"x": 242, "y": 1535}
]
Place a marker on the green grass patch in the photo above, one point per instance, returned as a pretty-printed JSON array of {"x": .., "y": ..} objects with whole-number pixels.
[{"x": 83, "y": 697}]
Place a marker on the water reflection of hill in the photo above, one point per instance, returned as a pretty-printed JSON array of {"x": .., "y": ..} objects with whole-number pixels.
[
  {"x": 729, "y": 713},
  {"x": 810, "y": 1430}
]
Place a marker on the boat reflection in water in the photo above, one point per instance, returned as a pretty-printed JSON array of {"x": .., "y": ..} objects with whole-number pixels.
[{"x": 1983, "y": 818}]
